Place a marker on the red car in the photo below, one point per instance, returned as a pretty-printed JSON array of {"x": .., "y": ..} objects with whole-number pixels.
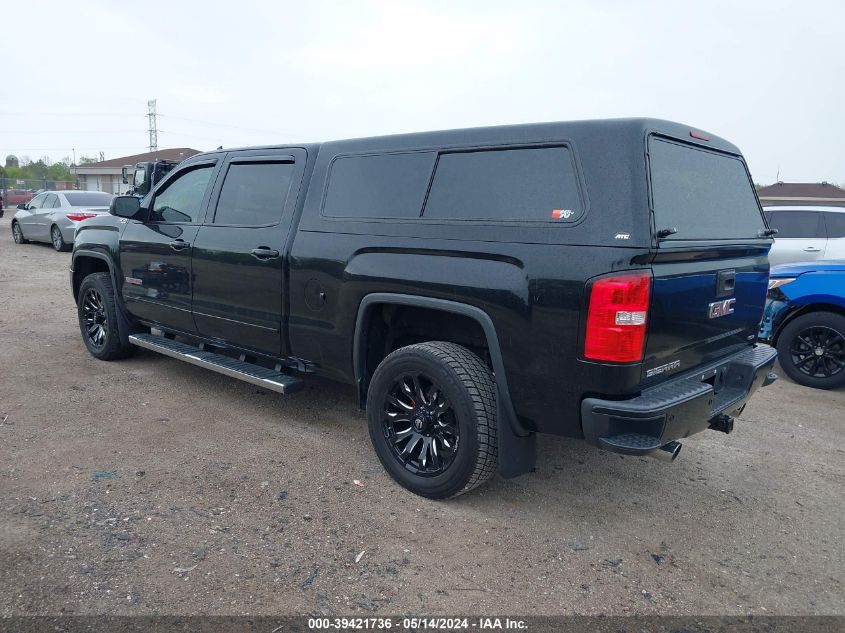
[{"x": 17, "y": 196}]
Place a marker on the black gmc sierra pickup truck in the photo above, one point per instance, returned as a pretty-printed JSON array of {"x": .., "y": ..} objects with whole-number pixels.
[{"x": 596, "y": 279}]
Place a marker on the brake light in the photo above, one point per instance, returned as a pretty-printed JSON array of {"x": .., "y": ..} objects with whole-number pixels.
[
  {"x": 616, "y": 320},
  {"x": 78, "y": 217}
]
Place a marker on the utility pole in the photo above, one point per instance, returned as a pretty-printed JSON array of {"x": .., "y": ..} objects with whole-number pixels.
[{"x": 151, "y": 114}]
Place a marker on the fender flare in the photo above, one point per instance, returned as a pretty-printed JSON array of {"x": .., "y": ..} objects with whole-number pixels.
[
  {"x": 795, "y": 310},
  {"x": 93, "y": 255},
  {"x": 125, "y": 325},
  {"x": 517, "y": 446}
]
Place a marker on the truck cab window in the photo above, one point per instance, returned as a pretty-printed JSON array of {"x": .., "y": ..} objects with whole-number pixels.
[
  {"x": 181, "y": 200},
  {"x": 253, "y": 194}
]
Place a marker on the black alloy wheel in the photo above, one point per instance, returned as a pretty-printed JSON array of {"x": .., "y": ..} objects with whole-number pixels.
[
  {"x": 95, "y": 319},
  {"x": 420, "y": 425},
  {"x": 431, "y": 412},
  {"x": 99, "y": 324},
  {"x": 818, "y": 352},
  {"x": 811, "y": 349}
]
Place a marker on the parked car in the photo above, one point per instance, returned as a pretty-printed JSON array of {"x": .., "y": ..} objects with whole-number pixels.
[
  {"x": 478, "y": 288},
  {"x": 806, "y": 233},
  {"x": 18, "y": 196},
  {"x": 53, "y": 216},
  {"x": 805, "y": 320}
]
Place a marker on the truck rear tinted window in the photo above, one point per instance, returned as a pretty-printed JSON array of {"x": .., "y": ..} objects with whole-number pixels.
[
  {"x": 704, "y": 195},
  {"x": 384, "y": 186},
  {"x": 537, "y": 184}
]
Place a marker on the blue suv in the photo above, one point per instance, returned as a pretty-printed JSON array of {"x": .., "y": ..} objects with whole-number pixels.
[{"x": 805, "y": 320}]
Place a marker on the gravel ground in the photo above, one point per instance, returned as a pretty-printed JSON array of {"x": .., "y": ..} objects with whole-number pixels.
[{"x": 151, "y": 486}]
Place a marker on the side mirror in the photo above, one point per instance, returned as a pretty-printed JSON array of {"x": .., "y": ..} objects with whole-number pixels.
[
  {"x": 125, "y": 206},
  {"x": 22, "y": 206}
]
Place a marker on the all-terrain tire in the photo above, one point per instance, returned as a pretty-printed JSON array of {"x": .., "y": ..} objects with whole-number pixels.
[
  {"x": 97, "y": 308},
  {"x": 466, "y": 385}
]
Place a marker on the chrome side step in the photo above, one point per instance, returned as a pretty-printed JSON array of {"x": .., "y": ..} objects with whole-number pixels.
[{"x": 254, "y": 374}]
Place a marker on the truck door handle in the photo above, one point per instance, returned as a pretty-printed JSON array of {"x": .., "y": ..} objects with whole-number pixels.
[
  {"x": 178, "y": 245},
  {"x": 812, "y": 249},
  {"x": 263, "y": 252}
]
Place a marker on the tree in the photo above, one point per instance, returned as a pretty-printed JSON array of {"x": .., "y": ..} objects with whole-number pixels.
[
  {"x": 85, "y": 160},
  {"x": 59, "y": 171},
  {"x": 39, "y": 171}
]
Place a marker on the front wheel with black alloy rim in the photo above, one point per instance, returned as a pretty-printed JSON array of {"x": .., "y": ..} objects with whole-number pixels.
[
  {"x": 431, "y": 411},
  {"x": 17, "y": 234},
  {"x": 58, "y": 240},
  {"x": 98, "y": 321},
  {"x": 811, "y": 350}
]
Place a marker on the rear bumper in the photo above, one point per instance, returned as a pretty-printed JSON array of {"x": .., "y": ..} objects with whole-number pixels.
[
  {"x": 68, "y": 232},
  {"x": 679, "y": 407}
]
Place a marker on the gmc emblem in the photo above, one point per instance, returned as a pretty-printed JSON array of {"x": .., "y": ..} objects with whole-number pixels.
[{"x": 720, "y": 308}]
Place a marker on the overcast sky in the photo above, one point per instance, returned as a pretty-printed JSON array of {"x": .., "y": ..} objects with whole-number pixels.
[{"x": 766, "y": 75}]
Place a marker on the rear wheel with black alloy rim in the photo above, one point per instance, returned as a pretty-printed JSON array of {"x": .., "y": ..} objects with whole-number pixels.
[
  {"x": 98, "y": 320},
  {"x": 17, "y": 234},
  {"x": 56, "y": 238},
  {"x": 431, "y": 411},
  {"x": 811, "y": 350}
]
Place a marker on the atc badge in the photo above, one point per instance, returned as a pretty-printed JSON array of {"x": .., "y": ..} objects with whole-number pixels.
[{"x": 561, "y": 214}]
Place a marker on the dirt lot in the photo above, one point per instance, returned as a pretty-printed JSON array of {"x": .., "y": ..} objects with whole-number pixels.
[{"x": 151, "y": 486}]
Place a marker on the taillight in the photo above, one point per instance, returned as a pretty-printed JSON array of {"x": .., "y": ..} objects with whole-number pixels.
[
  {"x": 78, "y": 217},
  {"x": 616, "y": 320}
]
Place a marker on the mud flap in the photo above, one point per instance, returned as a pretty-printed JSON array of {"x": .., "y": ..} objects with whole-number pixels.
[
  {"x": 517, "y": 453},
  {"x": 124, "y": 326}
]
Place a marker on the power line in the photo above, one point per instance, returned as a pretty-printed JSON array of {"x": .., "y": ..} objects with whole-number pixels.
[
  {"x": 152, "y": 129},
  {"x": 67, "y": 132},
  {"x": 47, "y": 113},
  {"x": 169, "y": 116},
  {"x": 81, "y": 149},
  {"x": 235, "y": 127}
]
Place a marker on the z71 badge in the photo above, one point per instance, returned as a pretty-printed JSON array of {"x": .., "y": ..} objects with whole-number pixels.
[{"x": 720, "y": 308}]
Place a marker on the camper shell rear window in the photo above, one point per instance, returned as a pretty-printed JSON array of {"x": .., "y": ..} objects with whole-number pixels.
[{"x": 704, "y": 194}]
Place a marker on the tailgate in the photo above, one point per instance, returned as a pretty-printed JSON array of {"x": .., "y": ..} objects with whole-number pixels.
[{"x": 703, "y": 309}]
